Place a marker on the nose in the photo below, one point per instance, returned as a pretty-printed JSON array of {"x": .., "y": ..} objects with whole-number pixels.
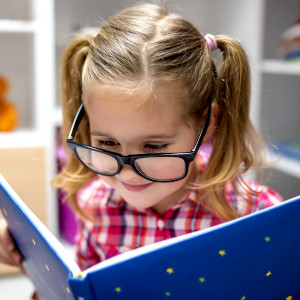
[{"x": 128, "y": 174}]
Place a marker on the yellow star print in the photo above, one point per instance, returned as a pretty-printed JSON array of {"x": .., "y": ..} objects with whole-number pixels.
[
  {"x": 243, "y": 298},
  {"x": 80, "y": 275},
  {"x": 118, "y": 289},
  {"x": 170, "y": 270},
  {"x": 267, "y": 239},
  {"x": 268, "y": 274},
  {"x": 289, "y": 298},
  {"x": 222, "y": 252},
  {"x": 168, "y": 293},
  {"x": 201, "y": 279}
]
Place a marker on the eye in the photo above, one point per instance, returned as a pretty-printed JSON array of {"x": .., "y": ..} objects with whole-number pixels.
[
  {"x": 107, "y": 144},
  {"x": 156, "y": 147}
]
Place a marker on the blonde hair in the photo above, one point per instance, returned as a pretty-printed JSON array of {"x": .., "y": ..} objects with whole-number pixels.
[{"x": 145, "y": 44}]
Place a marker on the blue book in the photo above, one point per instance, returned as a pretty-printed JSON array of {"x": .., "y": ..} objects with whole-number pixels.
[{"x": 253, "y": 257}]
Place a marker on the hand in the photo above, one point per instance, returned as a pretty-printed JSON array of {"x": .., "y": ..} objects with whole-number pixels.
[{"x": 9, "y": 254}]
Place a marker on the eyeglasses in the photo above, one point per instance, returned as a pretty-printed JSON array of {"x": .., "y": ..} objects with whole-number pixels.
[{"x": 163, "y": 167}]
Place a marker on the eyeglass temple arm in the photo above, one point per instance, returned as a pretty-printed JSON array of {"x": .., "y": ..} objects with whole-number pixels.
[
  {"x": 203, "y": 130},
  {"x": 76, "y": 122}
]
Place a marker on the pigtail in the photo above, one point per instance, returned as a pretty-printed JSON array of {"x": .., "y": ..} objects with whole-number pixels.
[
  {"x": 237, "y": 145},
  {"x": 72, "y": 67},
  {"x": 74, "y": 175}
]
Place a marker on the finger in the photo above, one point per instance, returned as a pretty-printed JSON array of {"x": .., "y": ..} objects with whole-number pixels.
[
  {"x": 8, "y": 251},
  {"x": 6, "y": 239},
  {"x": 13, "y": 258}
]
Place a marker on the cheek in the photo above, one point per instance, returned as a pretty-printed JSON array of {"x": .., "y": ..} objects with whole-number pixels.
[{"x": 170, "y": 188}]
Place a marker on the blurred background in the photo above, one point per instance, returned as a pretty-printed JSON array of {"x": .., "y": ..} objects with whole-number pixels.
[{"x": 33, "y": 35}]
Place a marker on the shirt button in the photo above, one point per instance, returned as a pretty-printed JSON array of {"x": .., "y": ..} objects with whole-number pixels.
[{"x": 160, "y": 224}]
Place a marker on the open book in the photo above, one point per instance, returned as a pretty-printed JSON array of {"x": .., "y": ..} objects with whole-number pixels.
[{"x": 253, "y": 257}]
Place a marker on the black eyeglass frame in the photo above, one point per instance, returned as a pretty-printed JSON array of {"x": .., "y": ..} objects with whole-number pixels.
[{"x": 188, "y": 157}]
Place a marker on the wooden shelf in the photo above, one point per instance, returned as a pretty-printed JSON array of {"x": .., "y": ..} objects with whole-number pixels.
[{"x": 25, "y": 170}]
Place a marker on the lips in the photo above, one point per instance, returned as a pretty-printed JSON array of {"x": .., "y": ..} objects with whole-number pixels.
[{"x": 136, "y": 188}]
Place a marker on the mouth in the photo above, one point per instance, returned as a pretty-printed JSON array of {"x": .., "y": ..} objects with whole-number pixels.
[{"x": 136, "y": 188}]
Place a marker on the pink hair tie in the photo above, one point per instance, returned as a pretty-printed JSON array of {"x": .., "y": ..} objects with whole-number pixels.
[{"x": 211, "y": 42}]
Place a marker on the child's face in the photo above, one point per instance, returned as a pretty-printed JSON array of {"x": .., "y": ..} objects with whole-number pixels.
[{"x": 119, "y": 125}]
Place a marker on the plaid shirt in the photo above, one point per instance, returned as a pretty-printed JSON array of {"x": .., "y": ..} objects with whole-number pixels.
[{"x": 121, "y": 227}]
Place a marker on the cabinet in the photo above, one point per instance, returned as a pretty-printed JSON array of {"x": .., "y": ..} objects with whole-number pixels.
[
  {"x": 27, "y": 62},
  {"x": 280, "y": 94}
]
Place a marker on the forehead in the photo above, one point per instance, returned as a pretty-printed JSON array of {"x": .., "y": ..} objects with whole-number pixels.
[
  {"x": 107, "y": 107},
  {"x": 164, "y": 96}
]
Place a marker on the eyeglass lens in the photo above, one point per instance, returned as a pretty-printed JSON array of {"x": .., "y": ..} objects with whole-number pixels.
[{"x": 157, "y": 168}]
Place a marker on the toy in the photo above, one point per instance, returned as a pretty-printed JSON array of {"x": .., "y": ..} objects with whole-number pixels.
[
  {"x": 289, "y": 45},
  {"x": 9, "y": 118}
]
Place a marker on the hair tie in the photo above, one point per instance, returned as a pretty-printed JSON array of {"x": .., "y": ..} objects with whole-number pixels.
[{"x": 211, "y": 42}]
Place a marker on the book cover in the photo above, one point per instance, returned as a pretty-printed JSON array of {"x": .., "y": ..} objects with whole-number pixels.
[
  {"x": 46, "y": 261},
  {"x": 253, "y": 257}
]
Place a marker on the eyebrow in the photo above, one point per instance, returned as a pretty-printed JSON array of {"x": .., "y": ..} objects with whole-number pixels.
[
  {"x": 152, "y": 136},
  {"x": 160, "y": 136}
]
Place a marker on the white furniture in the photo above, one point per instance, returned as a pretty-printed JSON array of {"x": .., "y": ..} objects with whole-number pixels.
[
  {"x": 280, "y": 92},
  {"x": 27, "y": 61},
  {"x": 27, "y": 56}
]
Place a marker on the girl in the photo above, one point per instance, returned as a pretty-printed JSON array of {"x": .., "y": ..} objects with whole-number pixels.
[{"x": 141, "y": 97}]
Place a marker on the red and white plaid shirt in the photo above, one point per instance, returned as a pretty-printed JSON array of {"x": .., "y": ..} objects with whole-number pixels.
[{"x": 121, "y": 227}]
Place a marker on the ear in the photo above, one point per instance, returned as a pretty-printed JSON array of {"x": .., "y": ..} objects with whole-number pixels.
[{"x": 214, "y": 117}]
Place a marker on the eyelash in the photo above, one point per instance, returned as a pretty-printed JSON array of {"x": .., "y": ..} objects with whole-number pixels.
[
  {"x": 148, "y": 147},
  {"x": 106, "y": 144},
  {"x": 156, "y": 147}
]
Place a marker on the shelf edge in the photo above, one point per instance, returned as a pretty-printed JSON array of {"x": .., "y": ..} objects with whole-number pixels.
[
  {"x": 276, "y": 66},
  {"x": 21, "y": 138},
  {"x": 286, "y": 165},
  {"x": 17, "y": 26}
]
